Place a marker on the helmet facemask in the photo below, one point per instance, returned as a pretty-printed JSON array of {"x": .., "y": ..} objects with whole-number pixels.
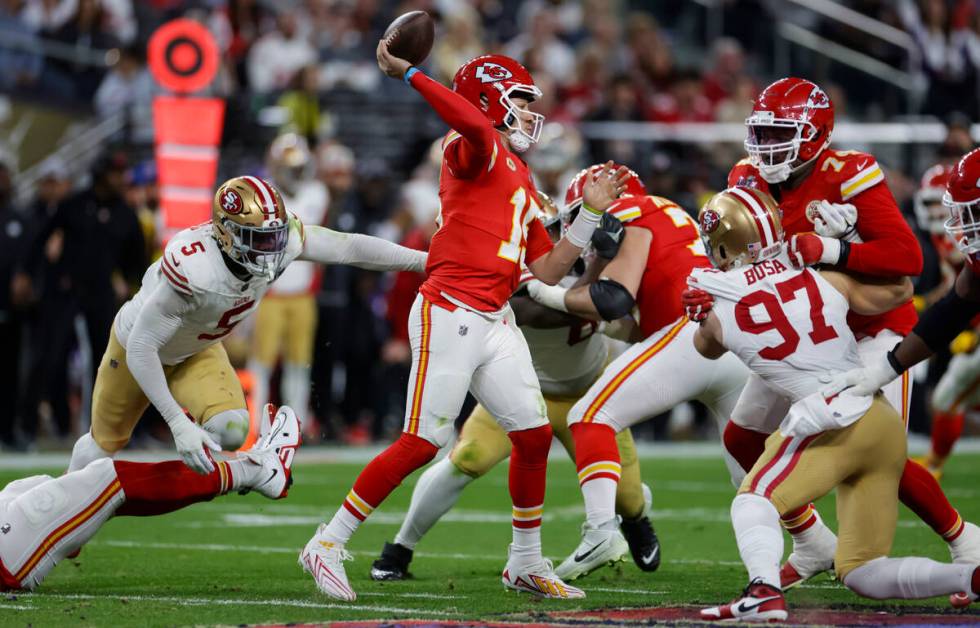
[
  {"x": 773, "y": 144},
  {"x": 963, "y": 225},
  {"x": 520, "y": 139},
  {"x": 260, "y": 250},
  {"x": 930, "y": 211}
]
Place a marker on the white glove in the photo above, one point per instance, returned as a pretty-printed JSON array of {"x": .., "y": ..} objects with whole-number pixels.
[
  {"x": 862, "y": 381},
  {"x": 836, "y": 220},
  {"x": 192, "y": 443},
  {"x": 548, "y": 296}
]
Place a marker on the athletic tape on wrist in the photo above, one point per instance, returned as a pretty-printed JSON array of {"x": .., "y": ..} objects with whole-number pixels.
[{"x": 582, "y": 228}]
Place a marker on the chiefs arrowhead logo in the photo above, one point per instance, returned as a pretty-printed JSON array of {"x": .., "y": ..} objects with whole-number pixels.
[
  {"x": 491, "y": 72},
  {"x": 818, "y": 99},
  {"x": 231, "y": 202},
  {"x": 710, "y": 221}
]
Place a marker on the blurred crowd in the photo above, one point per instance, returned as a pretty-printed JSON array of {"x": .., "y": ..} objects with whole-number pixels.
[{"x": 75, "y": 249}]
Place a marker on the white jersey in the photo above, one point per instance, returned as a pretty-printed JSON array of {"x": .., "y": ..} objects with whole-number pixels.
[
  {"x": 567, "y": 359},
  {"x": 309, "y": 204},
  {"x": 788, "y": 326},
  {"x": 192, "y": 265}
]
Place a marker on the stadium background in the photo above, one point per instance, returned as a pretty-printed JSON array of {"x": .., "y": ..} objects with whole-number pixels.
[{"x": 661, "y": 85}]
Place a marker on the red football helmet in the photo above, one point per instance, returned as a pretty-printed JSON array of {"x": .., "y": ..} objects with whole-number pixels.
[
  {"x": 963, "y": 200},
  {"x": 930, "y": 214},
  {"x": 573, "y": 195},
  {"x": 490, "y": 82},
  {"x": 791, "y": 124}
]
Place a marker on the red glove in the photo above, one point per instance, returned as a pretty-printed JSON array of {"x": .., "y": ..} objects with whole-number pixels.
[
  {"x": 697, "y": 304},
  {"x": 807, "y": 249}
]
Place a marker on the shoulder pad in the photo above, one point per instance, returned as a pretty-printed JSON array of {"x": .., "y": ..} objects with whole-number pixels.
[
  {"x": 853, "y": 170},
  {"x": 185, "y": 262}
]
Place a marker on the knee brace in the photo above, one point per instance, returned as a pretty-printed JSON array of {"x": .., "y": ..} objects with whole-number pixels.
[{"x": 230, "y": 428}]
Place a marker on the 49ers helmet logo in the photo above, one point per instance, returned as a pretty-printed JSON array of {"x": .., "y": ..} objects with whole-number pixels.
[
  {"x": 491, "y": 72},
  {"x": 231, "y": 202},
  {"x": 710, "y": 221}
]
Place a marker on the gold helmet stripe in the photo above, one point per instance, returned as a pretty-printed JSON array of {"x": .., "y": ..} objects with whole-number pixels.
[
  {"x": 762, "y": 218},
  {"x": 268, "y": 198}
]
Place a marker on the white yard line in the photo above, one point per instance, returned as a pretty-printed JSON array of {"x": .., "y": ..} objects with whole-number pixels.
[
  {"x": 365, "y": 608},
  {"x": 17, "y": 607},
  {"x": 612, "y": 590}
]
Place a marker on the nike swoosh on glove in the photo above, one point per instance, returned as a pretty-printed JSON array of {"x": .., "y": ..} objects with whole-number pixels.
[
  {"x": 697, "y": 303},
  {"x": 807, "y": 249},
  {"x": 836, "y": 220}
]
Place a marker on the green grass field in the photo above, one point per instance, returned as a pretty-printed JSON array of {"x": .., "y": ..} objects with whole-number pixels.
[{"x": 233, "y": 560}]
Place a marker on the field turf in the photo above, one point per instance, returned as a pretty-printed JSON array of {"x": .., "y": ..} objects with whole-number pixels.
[{"x": 233, "y": 560}]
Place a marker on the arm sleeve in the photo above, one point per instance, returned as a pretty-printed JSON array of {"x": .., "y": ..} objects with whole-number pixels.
[
  {"x": 326, "y": 246},
  {"x": 947, "y": 317},
  {"x": 538, "y": 242},
  {"x": 471, "y": 152},
  {"x": 158, "y": 321},
  {"x": 889, "y": 247}
]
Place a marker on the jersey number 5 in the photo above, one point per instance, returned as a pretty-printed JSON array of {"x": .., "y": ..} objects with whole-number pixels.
[
  {"x": 821, "y": 332},
  {"x": 225, "y": 324},
  {"x": 525, "y": 210}
]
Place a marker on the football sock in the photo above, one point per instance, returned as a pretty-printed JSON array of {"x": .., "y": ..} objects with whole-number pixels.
[
  {"x": 378, "y": 479},
  {"x": 798, "y": 521},
  {"x": 745, "y": 445},
  {"x": 909, "y": 578},
  {"x": 946, "y": 430},
  {"x": 629, "y": 491},
  {"x": 162, "y": 487},
  {"x": 296, "y": 388},
  {"x": 85, "y": 451},
  {"x": 527, "y": 477},
  {"x": 759, "y": 538},
  {"x": 261, "y": 375},
  {"x": 437, "y": 490},
  {"x": 597, "y": 461},
  {"x": 920, "y": 491}
]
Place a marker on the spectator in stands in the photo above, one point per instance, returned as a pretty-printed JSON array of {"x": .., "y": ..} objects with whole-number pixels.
[
  {"x": 19, "y": 69},
  {"x": 143, "y": 195},
  {"x": 542, "y": 35},
  {"x": 622, "y": 105},
  {"x": 90, "y": 255},
  {"x": 14, "y": 299},
  {"x": 301, "y": 102},
  {"x": 461, "y": 41},
  {"x": 243, "y": 18},
  {"x": 727, "y": 73},
  {"x": 276, "y": 56},
  {"x": 684, "y": 101},
  {"x": 128, "y": 90},
  {"x": 53, "y": 187},
  {"x": 89, "y": 31},
  {"x": 649, "y": 48}
]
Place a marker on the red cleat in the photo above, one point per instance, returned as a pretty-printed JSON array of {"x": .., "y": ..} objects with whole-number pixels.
[{"x": 759, "y": 602}]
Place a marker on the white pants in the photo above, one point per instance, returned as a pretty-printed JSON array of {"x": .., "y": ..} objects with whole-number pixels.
[
  {"x": 958, "y": 389},
  {"x": 44, "y": 519},
  {"x": 461, "y": 350},
  {"x": 654, "y": 375},
  {"x": 762, "y": 409}
]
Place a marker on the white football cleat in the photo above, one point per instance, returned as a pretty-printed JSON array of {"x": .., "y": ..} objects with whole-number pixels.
[
  {"x": 965, "y": 549},
  {"x": 275, "y": 451},
  {"x": 324, "y": 561},
  {"x": 538, "y": 579},
  {"x": 810, "y": 557},
  {"x": 759, "y": 602},
  {"x": 599, "y": 546}
]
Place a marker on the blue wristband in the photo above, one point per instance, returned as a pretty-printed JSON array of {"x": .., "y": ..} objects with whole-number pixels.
[{"x": 408, "y": 74}]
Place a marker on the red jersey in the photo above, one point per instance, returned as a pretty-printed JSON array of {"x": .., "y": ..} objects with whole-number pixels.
[
  {"x": 488, "y": 229},
  {"x": 889, "y": 247},
  {"x": 675, "y": 250}
]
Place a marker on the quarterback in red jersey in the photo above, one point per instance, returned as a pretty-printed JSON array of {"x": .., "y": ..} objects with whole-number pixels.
[
  {"x": 462, "y": 332},
  {"x": 659, "y": 250},
  {"x": 843, "y": 197}
]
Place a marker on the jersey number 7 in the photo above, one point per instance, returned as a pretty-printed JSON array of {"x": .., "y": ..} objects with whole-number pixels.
[{"x": 821, "y": 332}]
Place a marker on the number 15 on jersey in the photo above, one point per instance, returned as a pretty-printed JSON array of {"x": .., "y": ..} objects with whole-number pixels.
[{"x": 526, "y": 209}]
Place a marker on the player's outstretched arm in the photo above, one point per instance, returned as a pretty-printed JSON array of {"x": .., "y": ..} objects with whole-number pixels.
[
  {"x": 159, "y": 319},
  {"x": 459, "y": 114},
  {"x": 326, "y": 246},
  {"x": 613, "y": 294},
  {"x": 870, "y": 295}
]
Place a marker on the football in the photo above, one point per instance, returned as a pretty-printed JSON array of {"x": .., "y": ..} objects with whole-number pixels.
[{"x": 410, "y": 36}]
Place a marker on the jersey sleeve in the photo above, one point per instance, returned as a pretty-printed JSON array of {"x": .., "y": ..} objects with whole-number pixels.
[
  {"x": 538, "y": 241},
  {"x": 860, "y": 172},
  {"x": 888, "y": 247},
  {"x": 174, "y": 270},
  {"x": 628, "y": 209},
  {"x": 713, "y": 281}
]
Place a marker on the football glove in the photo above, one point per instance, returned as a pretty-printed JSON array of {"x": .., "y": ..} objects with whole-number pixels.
[
  {"x": 807, "y": 249},
  {"x": 836, "y": 220},
  {"x": 861, "y": 382},
  {"x": 192, "y": 443},
  {"x": 608, "y": 236},
  {"x": 697, "y": 303}
]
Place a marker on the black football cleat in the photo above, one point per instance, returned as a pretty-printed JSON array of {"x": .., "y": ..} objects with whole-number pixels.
[
  {"x": 393, "y": 563},
  {"x": 643, "y": 542}
]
